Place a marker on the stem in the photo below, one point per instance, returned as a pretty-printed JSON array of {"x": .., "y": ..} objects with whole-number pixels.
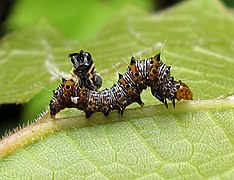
[{"x": 46, "y": 126}]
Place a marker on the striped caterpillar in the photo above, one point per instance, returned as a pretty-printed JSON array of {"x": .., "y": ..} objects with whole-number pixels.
[{"x": 140, "y": 74}]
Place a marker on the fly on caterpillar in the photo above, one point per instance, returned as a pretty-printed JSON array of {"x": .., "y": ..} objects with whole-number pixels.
[
  {"x": 84, "y": 70},
  {"x": 140, "y": 74}
]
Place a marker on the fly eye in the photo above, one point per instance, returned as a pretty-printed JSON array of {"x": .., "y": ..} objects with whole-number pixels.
[
  {"x": 67, "y": 87},
  {"x": 127, "y": 86}
]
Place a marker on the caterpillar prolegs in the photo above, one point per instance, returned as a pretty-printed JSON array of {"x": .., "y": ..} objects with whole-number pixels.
[{"x": 140, "y": 74}]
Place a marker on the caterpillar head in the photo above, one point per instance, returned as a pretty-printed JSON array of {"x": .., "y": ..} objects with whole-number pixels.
[
  {"x": 62, "y": 97},
  {"x": 183, "y": 91},
  {"x": 172, "y": 90},
  {"x": 82, "y": 61}
]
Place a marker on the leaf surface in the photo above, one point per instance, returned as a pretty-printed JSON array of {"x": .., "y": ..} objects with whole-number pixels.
[{"x": 194, "y": 140}]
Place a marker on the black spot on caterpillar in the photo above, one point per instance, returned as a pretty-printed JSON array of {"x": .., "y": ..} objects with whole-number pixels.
[{"x": 140, "y": 74}]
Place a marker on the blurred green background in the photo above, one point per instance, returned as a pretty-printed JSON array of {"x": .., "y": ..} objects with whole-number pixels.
[{"x": 66, "y": 16}]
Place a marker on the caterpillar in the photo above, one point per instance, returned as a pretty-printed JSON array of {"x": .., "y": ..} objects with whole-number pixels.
[
  {"x": 140, "y": 74},
  {"x": 84, "y": 70}
]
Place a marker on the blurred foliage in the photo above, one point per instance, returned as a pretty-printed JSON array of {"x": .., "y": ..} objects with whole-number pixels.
[
  {"x": 229, "y": 2},
  {"x": 68, "y": 16}
]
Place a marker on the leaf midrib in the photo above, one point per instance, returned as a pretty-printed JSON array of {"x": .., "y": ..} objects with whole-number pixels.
[{"x": 45, "y": 126}]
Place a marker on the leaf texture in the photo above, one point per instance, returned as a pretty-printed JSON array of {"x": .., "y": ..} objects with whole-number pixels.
[{"x": 193, "y": 141}]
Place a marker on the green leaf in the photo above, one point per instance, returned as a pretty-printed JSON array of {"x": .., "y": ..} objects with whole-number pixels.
[
  {"x": 193, "y": 141},
  {"x": 75, "y": 19},
  {"x": 27, "y": 57}
]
